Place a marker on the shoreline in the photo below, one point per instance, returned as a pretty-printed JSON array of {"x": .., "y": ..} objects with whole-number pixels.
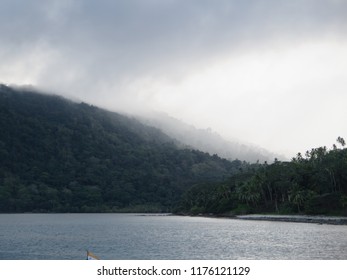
[{"x": 331, "y": 220}]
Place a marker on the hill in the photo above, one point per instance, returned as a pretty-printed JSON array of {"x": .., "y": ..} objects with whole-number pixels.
[
  {"x": 61, "y": 156},
  {"x": 208, "y": 141}
]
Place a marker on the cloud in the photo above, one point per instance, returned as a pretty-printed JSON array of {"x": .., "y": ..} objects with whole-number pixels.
[
  {"x": 225, "y": 64},
  {"x": 130, "y": 38}
]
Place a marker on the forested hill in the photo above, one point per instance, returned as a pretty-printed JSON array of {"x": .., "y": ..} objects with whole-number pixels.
[{"x": 61, "y": 156}]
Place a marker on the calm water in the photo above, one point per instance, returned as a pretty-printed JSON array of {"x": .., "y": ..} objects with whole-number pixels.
[{"x": 127, "y": 236}]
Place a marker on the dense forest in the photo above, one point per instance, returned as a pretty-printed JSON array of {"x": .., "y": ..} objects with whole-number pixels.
[
  {"x": 312, "y": 184},
  {"x": 61, "y": 156}
]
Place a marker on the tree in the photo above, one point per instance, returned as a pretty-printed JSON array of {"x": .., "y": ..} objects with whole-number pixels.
[
  {"x": 296, "y": 195},
  {"x": 249, "y": 192},
  {"x": 341, "y": 141}
]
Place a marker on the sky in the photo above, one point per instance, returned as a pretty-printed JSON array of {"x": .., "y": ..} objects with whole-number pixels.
[{"x": 268, "y": 72}]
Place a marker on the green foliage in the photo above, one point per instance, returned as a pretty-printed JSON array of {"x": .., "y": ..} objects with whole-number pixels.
[
  {"x": 316, "y": 184},
  {"x": 61, "y": 156}
]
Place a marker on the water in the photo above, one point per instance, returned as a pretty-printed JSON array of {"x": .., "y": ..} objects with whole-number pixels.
[{"x": 130, "y": 236}]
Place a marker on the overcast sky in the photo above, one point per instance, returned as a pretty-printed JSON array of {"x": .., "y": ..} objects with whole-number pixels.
[{"x": 269, "y": 72}]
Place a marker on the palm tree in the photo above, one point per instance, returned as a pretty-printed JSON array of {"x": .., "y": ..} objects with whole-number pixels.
[
  {"x": 249, "y": 192},
  {"x": 297, "y": 195},
  {"x": 341, "y": 141}
]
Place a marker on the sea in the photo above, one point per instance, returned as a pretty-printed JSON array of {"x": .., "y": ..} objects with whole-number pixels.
[{"x": 165, "y": 237}]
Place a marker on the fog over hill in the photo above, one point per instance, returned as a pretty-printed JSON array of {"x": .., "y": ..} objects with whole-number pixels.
[
  {"x": 207, "y": 140},
  {"x": 57, "y": 155},
  {"x": 272, "y": 73},
  {"x": 187, "y": 135},
  {"x": 62, "y": 156}
]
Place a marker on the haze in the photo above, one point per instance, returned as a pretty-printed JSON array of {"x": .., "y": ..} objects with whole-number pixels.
[{"x": 272, "y": 73}]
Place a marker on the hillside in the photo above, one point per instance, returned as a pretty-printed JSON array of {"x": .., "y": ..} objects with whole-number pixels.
[
  {"x": 61, "y": 156},
  {"x": 206, "y": 140}
]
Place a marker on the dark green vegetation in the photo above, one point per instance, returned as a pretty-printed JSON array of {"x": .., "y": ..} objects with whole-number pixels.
[
  {"x": 61, "y": 156},
  {"x": 314, "y": 184}
]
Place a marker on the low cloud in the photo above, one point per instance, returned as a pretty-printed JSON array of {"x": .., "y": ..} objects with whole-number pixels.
[{"x": 270, "y": 72}]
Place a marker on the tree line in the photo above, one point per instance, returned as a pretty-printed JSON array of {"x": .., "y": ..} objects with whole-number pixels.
[{"x": 314, "y": 183}]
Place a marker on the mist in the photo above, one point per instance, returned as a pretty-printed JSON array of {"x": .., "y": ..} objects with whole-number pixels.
[{"x": 270, "y": 73}]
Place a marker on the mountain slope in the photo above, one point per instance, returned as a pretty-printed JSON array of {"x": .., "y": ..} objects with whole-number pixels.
[
  {"x": 57, "y": 155},
  {"x": 206, "y": 140}
]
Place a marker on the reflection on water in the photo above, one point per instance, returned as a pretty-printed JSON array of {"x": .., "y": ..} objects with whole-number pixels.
[{"x": 130, "y": 236}]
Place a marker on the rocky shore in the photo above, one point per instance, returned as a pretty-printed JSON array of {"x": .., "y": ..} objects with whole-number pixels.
[{"x": 296, "y": 219}]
